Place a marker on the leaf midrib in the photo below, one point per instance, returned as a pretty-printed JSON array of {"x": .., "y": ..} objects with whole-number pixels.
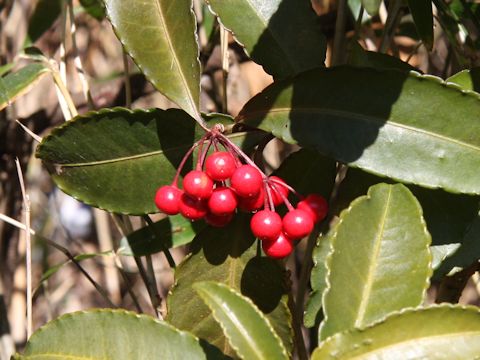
[
  {"x": 175, "y": 58},
  {"x": 416, "y": 339},
  {"x": 367, "y": 289},
  {"x": 132, "y": 157},
  {"x": 366, "y": 118}
]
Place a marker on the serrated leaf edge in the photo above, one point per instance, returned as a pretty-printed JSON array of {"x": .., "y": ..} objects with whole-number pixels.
[
  {"x": 333, "y": 236},
  {"x": 198, "y": 288}
]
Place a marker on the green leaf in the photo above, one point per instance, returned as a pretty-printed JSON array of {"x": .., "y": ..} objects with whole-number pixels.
[
  {"x": 247, "y": 329},
  {"x": 110, "y": 334},
  {"x": 228, "y": 256},
  {"x": 384, "y": 238},
  {"x": 160, "y": 37},
  {"x": 467, "y": 79},
  {"x": 437, "y": 332},
  {"x": 441, "y": 252},
  {"x": 371, "y": 6},
  {"x": 116, "y": 159},
  {"x": 16, "y": 84},
  {"x": 447, "y": 215},
  {"x": 94, "y": 7},
  {"x": 423, "y": 17},
  {"x": 277, "y": 29},
  {"x": 46, "y": 12},
  {"x": 412, "y": 128},
  {"x": 308, "y": 172},
  {"x": 357, "y": 56},
  {"x": 318, "y": 280},
  {"x": 6, "y": 68},
  {"x": 173, "y": 231}
]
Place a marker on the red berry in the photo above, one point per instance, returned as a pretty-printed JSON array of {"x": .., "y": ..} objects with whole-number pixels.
[
  {"x": 279, "y": 248},
  {"x": 197, "y": 184},
  {"x": 266, "y": 225},
  {"x": 316, "y": 205},
  {"x": 192, "y": 208},
  {"x": 222, "y": 201},
  {"x": 220, "y": 165},
  {"x": 167, "y": 199},
  {"x": 297, "y": 224},
  {"x": 276, "y": 197},
  {"x": 246, "y": 181},
  {"x": 218, "y": 220},
  {"x": 254, "y": 203}
]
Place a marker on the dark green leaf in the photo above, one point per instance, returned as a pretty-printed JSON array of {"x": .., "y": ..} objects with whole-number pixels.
[
  {"x": 160, "y": 37},
  {"x": 116, "y": 159},
  {"x": 381, "y": 122},
  {"x": 384, "y": 238},
  {"x": 110, "y": 334},
  {"x": 95, "y": 8},
  {"x": 46, "y": 12},
  {"x": 17, "y": 83},
  {"x": 173, "y": 231},
  {"x": 422, "y": 15},
  {"x": 6, "y": 68},
  {"x": 441, "y": 252},
  {"x": 447, "y": 215},
  {"x": 247, "y": 329},
  {"x": 362, "y": 58},
  {"x": 372, "y": 6},
  {"x": 437, "y": 332},
  {"x": 282, "y": 35},
  {"x": 308, "y": 172},
  {"x": 228, "y": 256}
]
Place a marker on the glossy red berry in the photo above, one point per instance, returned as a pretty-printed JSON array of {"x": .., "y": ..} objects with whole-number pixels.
[
  {"x": 279, "y": 248},
  {"x": 246, "y": 181},
  {"x": 254, "y": 203},
  {"x": 218, "y": 220},
  {"x": 316, "y": 205},
  {"x": 192, "y": 208},
  {"x": 222, "y": 201},
  {"x": 197, "y": 184},
  {"x": 266, "y": 225},
  {"x": 276, "y": 197},
  {"x": 220, "y": 165},
  {"x": 297, "y": 224},
  {"x": 167, "y": 199}
]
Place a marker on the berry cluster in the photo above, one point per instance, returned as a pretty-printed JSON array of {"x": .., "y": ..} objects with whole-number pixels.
[{"x": 227, "y": 180}]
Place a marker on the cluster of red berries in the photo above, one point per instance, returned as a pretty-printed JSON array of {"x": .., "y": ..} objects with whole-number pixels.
[{"x": 206, "y": 195}]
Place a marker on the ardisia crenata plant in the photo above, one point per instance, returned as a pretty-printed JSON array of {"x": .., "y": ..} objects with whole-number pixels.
[{"x": 339, "y": 253}]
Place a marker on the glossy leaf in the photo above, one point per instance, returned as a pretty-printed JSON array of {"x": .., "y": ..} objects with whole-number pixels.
[
  {"x": 437, "y": 332},
  {"x": 423, "y": 17},
  {"x": 173, "y": 231},
  {"x": 384, "y": 238},
  {"x": 44, "y": 15},
  {"x": 116, "y": 159},
  {"x": 467, "y": 79},
  {"x": 247, "y": 329},
  {"x": 277, "y": 29},
  {"x": 229, "y": 256},
  {"x": 110, "y": 334},
  {"x": 441, "y": 252},
  {"x": 160, "y": 37},
  {"x": 372, "y": 6},
  {"x": 381, "y": 122},
  {"x": 18, "y": 83},
  {"x": 447, "y": 215},
  {"x": 318, "y": 280}
]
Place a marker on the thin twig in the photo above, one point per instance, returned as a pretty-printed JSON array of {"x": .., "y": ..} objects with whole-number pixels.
[
  {"x": 297, "y": 329},
  {"x": 225, "y": 65},
  {"x": 339, "y": 38},
  {"x": 15, "y": 223},
  {"x": 128, "y": 286},
  {"x": 63, "y": 94},
  {"x": 29, "y": 132},
  {"x": 26, "y": 207},
  {"x": 394, "y": 14},
  {"x": 155, "y": 233}
]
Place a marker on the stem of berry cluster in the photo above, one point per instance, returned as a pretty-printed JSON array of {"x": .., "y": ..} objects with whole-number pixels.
[{"x": 284, "y": 198}]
